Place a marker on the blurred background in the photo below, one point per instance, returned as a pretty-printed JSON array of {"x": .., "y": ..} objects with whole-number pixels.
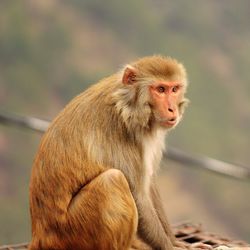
[{"x": 52, "y": 50}]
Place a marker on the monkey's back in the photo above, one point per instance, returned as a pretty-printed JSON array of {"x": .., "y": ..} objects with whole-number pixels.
[{"x": 61, "y": 167}]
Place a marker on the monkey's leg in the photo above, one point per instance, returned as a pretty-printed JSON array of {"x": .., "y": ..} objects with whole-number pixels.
[{"x": 103, "y": 214}]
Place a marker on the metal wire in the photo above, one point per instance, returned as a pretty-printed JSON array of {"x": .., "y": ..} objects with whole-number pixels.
[{"x": 205, "y": 162}]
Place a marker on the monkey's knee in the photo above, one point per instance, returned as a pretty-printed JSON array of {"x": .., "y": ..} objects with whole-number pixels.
[
  {"x": 119, "y": 192},
  {"x": 115, "y": 177},
  {"x": 120, "y": 199},
  {"x": 120, "y": 214},
  {"x": 106, "y": 208}
]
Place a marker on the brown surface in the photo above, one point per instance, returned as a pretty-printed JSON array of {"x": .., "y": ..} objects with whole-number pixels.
[
  {"x": 187, "y": 233},
  {"x": 190, "y": 234}
]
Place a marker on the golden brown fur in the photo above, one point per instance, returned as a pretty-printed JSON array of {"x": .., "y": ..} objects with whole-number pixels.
[{"x": 87, "y": 182}]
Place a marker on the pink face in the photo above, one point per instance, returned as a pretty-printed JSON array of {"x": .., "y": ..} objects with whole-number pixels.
[{"x": 166, "y": 97}]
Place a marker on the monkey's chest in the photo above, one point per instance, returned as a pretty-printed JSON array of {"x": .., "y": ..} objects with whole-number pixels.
[{"x": 153, "y": 147}]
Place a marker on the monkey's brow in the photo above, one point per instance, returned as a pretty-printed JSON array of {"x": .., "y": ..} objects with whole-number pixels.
[
  {"x": 176, "y": 83},
  {"x": 179, "y": 84}
]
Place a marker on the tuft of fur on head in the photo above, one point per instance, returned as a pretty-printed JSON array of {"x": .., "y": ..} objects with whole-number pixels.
[{"x": 160, "y": 67}]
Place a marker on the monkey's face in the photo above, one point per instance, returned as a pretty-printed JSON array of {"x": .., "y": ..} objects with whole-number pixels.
[
  {"x": 155, "y": 88},
  {"x": 167, "y": 99}
]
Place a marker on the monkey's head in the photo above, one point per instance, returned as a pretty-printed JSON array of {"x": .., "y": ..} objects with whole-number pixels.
[{"x": 152, "y": 92}]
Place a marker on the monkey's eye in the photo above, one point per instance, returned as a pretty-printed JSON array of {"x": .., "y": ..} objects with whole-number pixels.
[
  {"x": 175, "y": 89},
  {"x": 161, "y": 89}
]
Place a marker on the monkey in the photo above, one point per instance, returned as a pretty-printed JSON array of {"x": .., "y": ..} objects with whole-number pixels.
[{"x": 93, "y": 180}]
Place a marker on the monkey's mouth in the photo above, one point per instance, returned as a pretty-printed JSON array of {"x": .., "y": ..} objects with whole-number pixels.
[
  {"x": 168, "y": 122},
  {"x": 171, "y": 122}
]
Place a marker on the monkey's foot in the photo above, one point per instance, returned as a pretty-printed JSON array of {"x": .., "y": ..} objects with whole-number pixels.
[
  {"x": 139, "y": 244},
  {"x": 200, "y": 245},
  {"x": 180, "y": 245}
]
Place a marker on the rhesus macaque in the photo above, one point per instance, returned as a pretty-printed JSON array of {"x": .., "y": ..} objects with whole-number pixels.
[{"x": 93, "y": 179}]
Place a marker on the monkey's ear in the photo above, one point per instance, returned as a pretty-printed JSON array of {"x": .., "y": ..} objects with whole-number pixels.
[{"x": 129, "y": 75}]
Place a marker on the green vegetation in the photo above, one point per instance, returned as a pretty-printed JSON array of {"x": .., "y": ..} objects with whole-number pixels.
[{"x": 52, "y": 50}]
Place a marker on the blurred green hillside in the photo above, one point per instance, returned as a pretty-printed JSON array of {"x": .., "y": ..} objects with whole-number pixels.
[{"x": 52, "y": 50}]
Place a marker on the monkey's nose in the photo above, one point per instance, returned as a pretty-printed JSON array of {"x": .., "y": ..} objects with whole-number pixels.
[{"x": 171, "y": 110}]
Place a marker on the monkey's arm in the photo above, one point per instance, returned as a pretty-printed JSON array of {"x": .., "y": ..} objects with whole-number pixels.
[
  {"x": 157, "y": 203},
  {"x": 150, "y": 227}
]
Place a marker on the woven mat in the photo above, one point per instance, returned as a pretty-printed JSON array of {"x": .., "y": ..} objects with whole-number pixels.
[{"x": 188, "y": 233}]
